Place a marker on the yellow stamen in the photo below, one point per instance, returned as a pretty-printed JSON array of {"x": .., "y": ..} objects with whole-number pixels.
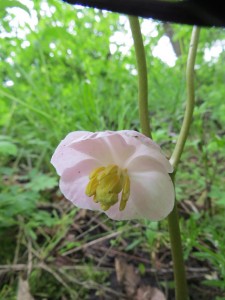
[
  {"x": 105, "y": 185},
  {"x": 125, "y": 193},
  {"x": 95, "y": 172},
  {"x": 91, "y": 187}
]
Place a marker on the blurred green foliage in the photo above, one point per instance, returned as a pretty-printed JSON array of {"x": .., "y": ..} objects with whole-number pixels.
[{"x": 59, "y": 74}]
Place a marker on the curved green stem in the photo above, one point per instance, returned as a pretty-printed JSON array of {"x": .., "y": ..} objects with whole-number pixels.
[
  {"x": 174, "y": 160},
  {"x": 173, "y": 219},
  {"x": 142, "y": 75}
]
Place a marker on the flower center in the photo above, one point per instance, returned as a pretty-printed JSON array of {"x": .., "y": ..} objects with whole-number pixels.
[{"x": 106, "y": 183}]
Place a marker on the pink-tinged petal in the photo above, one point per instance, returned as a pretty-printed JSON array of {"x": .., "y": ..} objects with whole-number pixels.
[
  {"x": 143, "y": 151},
  {"x": 138, "y": 138},
  {"x": 64, "y": 156},
  {"x": 73, "y": 183},
  {"x": 72, "y": 137},
  {"x": 76, "y": 136},
  {"x": 62, "y": 160},
  {"x": 96, "y": 148},
  {"x": 152, "y": 199},
  {"x": 144, "y": 147},
  {"x": 120, "y": 149},
  {"x": 153, "y": 194},
  {"x": 129, "y": 213},
  {"x": 107, "y": 147},
  {"x": 144, "y": 163}
]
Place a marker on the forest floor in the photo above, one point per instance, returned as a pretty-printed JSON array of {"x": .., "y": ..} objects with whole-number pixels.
[{"x": 94, "y": 258}]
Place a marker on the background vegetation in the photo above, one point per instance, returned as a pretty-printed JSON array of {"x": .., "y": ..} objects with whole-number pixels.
[{"x": 63, "y": 69}]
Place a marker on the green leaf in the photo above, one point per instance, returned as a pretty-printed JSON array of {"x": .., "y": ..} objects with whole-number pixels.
[
  {"x": 41, "y": 182},
  {"x": 13, "y": 3},
  {"x": 8, "y": 148}
]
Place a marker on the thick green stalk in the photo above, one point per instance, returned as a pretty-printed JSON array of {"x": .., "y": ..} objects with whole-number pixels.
[
  {"x": 174, "y": 160},
  {"x": 173, "y": 220},
  {"x": 181, "y": 289},
  {"x": 142, "y": 75}
]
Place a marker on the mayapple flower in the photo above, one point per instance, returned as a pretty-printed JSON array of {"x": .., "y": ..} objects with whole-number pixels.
[{"x": 122, "y": 173}]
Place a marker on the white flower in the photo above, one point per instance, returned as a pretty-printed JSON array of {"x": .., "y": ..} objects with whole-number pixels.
[{"x": 122, "y": 173}]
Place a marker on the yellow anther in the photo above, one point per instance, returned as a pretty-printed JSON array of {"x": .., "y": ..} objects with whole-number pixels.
[
  {"x": 125, "y": 193},
  {"x": 95, "y": 172},
  {"x": 105, "y": 199},
  {"x": 105, "y": 185},
  {"x": 91, "y": 187},
  {"x": 109, "y": 170},
  {"x": 110, "y": 183}
]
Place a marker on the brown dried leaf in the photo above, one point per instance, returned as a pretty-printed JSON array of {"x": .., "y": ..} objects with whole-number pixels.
[
  {"x": 81, "y": 214},
  {"x": 149, "y": 293},
  {"x": 130, "y": 280},
  {"x": 157, "y": 294},
  {"x": 120, "y": 266},
  {"x": 127, "y": 276},
  {"x": 23, "y": 290},
  {"x": 144, "y": 293}
]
